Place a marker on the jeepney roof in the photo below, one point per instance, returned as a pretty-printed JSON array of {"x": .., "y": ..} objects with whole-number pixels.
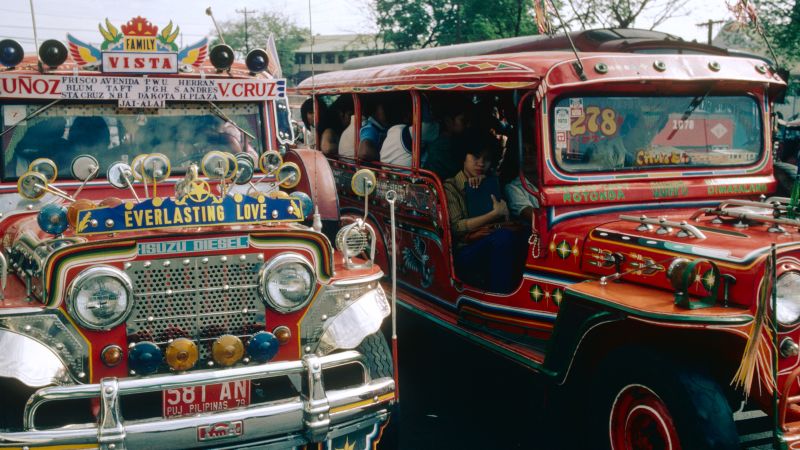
[
  {"x": 528, "y": 69},
  {"x": 29, "y": 65}
]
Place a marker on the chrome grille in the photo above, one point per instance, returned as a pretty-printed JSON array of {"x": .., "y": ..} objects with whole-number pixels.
[{"x": 199, "y": 298}]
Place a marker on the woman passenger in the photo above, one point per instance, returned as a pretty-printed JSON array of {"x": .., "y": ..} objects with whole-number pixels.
[{"x": 485, "y": 251}]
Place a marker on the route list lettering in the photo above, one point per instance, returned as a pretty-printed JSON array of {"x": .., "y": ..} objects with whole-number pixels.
[{"x": 138, "y": 92}]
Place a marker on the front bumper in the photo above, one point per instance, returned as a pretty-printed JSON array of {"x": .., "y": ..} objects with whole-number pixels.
[{"x": 314, "y": 416}]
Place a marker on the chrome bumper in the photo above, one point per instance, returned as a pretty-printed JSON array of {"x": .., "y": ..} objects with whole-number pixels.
[{"x": 314, "y": 416}]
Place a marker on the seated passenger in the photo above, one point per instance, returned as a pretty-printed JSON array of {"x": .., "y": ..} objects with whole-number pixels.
[
  {"x": 43, "y": 139},
  {"x": 396, "y": 148},
  {"x": 373, "y": 133},
  {"x": 333, "y": 124},
  {"x": 347, "y": 142},
  {"x": 445, "y": 153},
  {"x": 307, "y": 115},
  {"x": 486, "y": 253}
]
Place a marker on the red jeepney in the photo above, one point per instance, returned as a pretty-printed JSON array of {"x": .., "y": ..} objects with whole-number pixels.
[
  {"x": 165, "y": 280},
  {"x": 660, "y": 276}
]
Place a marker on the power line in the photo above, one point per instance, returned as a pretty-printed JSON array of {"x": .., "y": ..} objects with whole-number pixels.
[
  {"x": 710, "y": 25},
  {"x": 245, "y": 11}
]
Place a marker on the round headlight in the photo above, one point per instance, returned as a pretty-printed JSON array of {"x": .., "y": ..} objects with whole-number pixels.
[
  {"x": 100, "y": 297},
  {"x": 788, "y": 293},
  {"x": 287, "y": 282}
]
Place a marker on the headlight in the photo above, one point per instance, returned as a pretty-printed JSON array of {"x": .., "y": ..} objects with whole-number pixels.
[
  {"x": 286, "y": 282},
  {"x": 100, "y": 297},
  {"x": 788, "y": 305}
]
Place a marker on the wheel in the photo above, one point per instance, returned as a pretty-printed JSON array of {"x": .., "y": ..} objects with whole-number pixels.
[
  {"x": 650, "y": 403},
  {"x": 377, "y": 356}
]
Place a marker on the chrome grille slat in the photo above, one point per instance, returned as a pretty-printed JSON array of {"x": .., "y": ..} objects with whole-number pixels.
[{"x": 207, "y": 299}]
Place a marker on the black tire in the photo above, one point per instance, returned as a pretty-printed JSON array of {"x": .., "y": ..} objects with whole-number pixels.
[
  {"x": 377, "y": 356},
  {"x": 643, "y": 398}
]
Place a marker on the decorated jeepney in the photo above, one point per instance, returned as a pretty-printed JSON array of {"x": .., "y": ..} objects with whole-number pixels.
[
  {"x": 659, "y": 280},
  {"x": 165, "y": 281}
]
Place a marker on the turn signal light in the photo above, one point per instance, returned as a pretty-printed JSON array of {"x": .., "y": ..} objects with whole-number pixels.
[
  {"x": 263, "y": 346},
  {"x": 144, "y": 358},
  {"x": 227, "y": 350},
  {"x": 283, "y": 334},
  {"x": 111, "y": 355},
  {"x": 78, "y": 205},
  {"x": 181, "y": 354}
]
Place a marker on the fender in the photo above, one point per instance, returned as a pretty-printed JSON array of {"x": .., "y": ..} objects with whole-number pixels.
[
  {"x": 583, "y": 321},
  {"x": 316, "y": 181},
  {"x": 30, "y": 361}
]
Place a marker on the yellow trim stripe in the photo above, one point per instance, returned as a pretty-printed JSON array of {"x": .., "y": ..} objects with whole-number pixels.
[{"x": 382, "y": 398}]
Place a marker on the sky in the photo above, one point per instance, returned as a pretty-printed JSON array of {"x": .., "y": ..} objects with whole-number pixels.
[{"x": 54, "y": 18}]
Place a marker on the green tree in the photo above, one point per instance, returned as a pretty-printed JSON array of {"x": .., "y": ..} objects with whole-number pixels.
[
  {"x": 781, "y": 23},
  {"x": 288, "y": 36},
  {"x": 414, "y": 24}
]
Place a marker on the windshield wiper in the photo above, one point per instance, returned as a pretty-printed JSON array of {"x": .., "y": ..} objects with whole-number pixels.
[
  {"x": 696, "y": 101},
  {"x": 219, "y": 113},
  {"x": 31, "y": 116}
]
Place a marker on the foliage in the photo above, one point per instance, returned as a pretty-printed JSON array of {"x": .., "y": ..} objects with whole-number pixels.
[
  {"x": 413, "y": 24},
  {"x": 288, "y": 36},
  {"x": 781, "y": 22}
]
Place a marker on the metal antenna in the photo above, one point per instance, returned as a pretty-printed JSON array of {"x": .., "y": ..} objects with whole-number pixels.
[
  {"x": 210, "y": 14},
  {"x": 578, "y": 65},
  {"x": 35, "y": 37}
]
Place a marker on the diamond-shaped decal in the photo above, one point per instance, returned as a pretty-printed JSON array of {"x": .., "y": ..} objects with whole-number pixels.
[{"x": 719, "y": 130}]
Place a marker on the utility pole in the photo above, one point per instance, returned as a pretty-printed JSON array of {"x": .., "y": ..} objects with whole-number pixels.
[
  {"x": 245, "y": 11},
  {"x": 710, "y": 25}
]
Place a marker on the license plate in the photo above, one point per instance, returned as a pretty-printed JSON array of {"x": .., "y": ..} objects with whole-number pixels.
[{"x": 208, "y": 398}]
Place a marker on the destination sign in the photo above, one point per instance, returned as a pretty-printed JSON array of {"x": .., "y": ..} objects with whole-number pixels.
[
  {"x": 144, "y": 91},
  {"x": 157, "y": 213}
]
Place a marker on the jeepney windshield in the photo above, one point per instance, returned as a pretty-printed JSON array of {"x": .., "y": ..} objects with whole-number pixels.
[
  {"x": 598, "y": 134},
  {"x": 184, "y": 132}
]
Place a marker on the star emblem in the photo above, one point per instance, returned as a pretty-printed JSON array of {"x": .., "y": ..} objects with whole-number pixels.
[
  {"x": 563, "y": 249},
  {"x": 558, "y": 295},
  {"x": 199, "y": 191},
  {"x": 347, "y": 445},
  {"x": 709, "y": 279},
  {"x": 536, "y": 293}
]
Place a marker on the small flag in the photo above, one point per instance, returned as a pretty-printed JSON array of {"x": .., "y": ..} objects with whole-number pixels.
[
  {"x": 274, "y": 65},
  {"x": 744, "y": 11},
  {"x": 540, "y": 14}
]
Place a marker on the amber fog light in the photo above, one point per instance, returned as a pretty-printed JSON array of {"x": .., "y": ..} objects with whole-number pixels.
[
  {"x": 111, "y": 355},
  {"x": 181, "y": 354},
  {"x": 283, "y": 334},
  {"x": 227, "y": 350}
]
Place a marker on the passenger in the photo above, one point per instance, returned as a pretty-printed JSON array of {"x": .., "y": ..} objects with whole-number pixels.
[
  {"x": 347, "y": 142},
  {"x": 485, "y": 251},
  {"x": 43, "y": 139},
  {"x": 333, "y": 124},
  {"x": 446, "y": 152},
  {"x": 307, "y": 115},
  {"x": 373, "y": 133},
  {"x": 396, "y": 148},
  {"x": 521, "y": 202}
]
